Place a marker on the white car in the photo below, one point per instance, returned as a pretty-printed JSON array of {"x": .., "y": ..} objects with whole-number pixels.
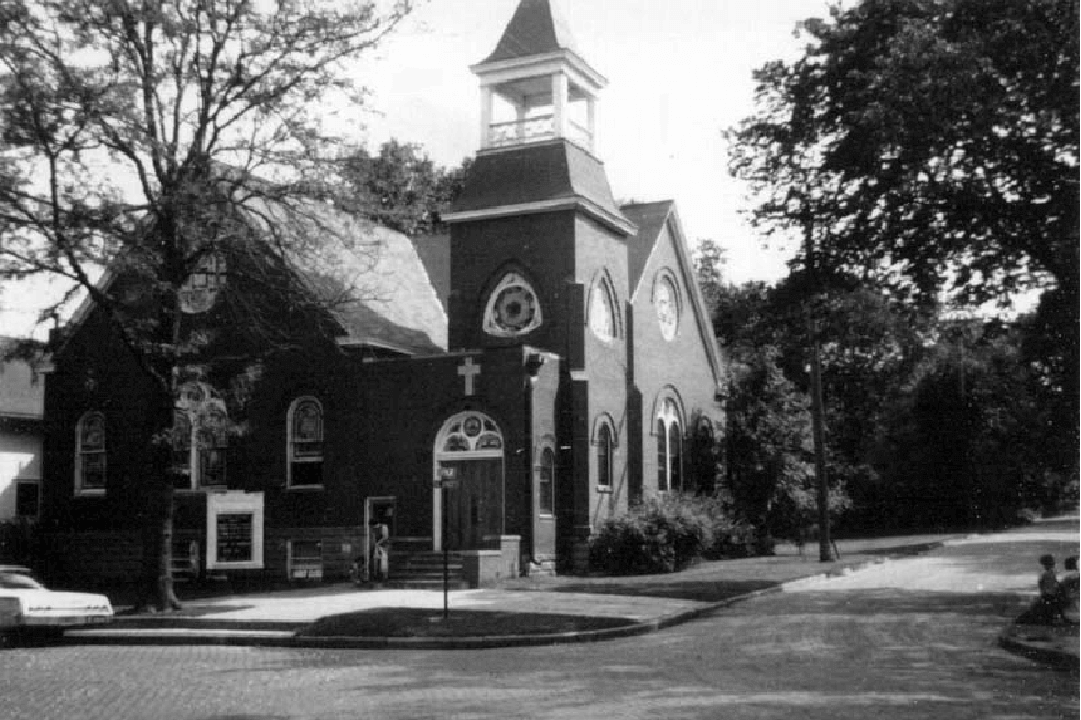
[{"x": 27, "y": 606}]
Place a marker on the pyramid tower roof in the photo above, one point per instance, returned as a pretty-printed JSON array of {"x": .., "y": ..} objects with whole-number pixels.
[{"x": 535, "y": 29}]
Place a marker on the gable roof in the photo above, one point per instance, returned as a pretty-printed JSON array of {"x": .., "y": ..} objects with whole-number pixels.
[
  {"x": 389, "y": 301},
  {"x": 535, "y": 29},
  {"x": 651, "y": 219}
]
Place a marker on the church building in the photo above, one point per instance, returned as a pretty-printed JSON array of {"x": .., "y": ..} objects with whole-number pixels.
[{"x": 543, "y": 367}]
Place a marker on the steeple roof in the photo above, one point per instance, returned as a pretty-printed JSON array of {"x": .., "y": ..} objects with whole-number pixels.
[{"x": 535, "y": 29}]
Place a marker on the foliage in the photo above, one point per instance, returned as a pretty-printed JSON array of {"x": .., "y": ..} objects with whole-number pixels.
[
  {"x": 151, "y": 140},
  {"x": 401, "y": 187},
  {"x": 968, "y": 438},
  {"x": 933, "y": 144},
  {"x": 660, "y": 535}
]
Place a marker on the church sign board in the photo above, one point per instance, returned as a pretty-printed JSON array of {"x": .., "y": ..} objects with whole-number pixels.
[{"x": 234, "y": 524}]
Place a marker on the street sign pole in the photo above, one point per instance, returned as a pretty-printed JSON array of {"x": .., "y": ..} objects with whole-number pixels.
[
  {"x": 446, "y": 481},
  {"x": 446, "y": 611}
]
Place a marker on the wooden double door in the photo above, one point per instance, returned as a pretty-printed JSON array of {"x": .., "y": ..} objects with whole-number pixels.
[{"x": 474, "y": 508}]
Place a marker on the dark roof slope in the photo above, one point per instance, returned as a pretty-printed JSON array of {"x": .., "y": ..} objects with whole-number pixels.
[
  {"x": 650, "y": 219},
  {"x": 534, "y": 30},
  {"x": 536, "y": 173},
  {"x": 369, "y": 276},
  {"x": 391, "y": 301}
]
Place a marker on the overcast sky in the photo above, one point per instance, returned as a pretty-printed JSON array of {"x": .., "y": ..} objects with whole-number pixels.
[{"x": 679, "y": 74}]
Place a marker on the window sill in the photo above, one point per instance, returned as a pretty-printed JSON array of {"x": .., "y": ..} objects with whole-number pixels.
[
  {"x": 606, "y": 489},
  {"x": 89, "y": 493},
  {"x": 304, "y": 488}
]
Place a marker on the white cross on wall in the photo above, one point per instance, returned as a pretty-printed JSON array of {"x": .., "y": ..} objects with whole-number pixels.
[{"x": 469, "y": 371}]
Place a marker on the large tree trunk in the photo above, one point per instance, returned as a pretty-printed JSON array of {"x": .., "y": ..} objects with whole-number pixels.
[{"x": 157, "y": 577}]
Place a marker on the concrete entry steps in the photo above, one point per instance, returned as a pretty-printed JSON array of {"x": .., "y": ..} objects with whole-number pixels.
[{"x": 423, "y": 570}]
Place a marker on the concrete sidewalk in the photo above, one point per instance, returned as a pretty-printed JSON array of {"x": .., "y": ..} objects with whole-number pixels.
[{"x": 646, "y": 602}]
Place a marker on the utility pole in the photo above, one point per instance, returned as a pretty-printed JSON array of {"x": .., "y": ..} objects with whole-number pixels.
[{"x": 825, "y": 553}]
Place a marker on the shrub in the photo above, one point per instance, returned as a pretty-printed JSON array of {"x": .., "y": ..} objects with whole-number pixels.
[{"x": 659, "y": 535}]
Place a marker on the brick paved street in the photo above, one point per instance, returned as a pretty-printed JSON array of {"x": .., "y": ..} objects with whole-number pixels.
[
  {"x": 880, "y": 645},
  {"x": 797, "y": 656}
]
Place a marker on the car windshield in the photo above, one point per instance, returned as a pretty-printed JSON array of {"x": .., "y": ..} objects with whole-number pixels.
[{"x": 15, "y": 581}]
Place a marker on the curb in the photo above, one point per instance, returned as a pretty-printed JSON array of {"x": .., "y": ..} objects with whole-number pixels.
[
  {"x": 1039, "y": 651},
  {"x": 237, "y": 637}
]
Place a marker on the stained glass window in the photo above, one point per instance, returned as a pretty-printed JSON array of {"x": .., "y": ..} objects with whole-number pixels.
[
  {"x": 601, "y": 313},
  {"x": 512, "y": 308},
  {"x": 470, "y": 432},
  {"x": 666, "y": 304},
  {"x": 669, "y": 448},
  {"x": 306, "y": 443}
]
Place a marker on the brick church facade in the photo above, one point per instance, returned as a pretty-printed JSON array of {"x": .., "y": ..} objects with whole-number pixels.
[{"x": 556, "y": 366}]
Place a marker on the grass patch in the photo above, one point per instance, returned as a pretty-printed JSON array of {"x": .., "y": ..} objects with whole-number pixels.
[{"x": 414, "y": 622}]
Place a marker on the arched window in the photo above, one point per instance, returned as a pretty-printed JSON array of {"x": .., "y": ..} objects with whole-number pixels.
[
  {"x": 200, "y": 437},
  {"x": 182, "y": 444},
  {"x": 305, "y": 443},
  {"x": 546, "y": 473},
  {"x": 603, "y": 318},
  {"x": 604, "y": 456},
  {"x": 90, "y": 455},
  {"x": 212, "y": 442},
  {"x": 669, "y": 448},
  {"x": 469, "y": 433}
]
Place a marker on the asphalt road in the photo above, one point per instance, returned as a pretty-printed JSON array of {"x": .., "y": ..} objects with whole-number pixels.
[{"x": 914, "y": 638}]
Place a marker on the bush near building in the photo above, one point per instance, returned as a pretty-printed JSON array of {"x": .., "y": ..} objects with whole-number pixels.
[{"x": 662, "y": 535}]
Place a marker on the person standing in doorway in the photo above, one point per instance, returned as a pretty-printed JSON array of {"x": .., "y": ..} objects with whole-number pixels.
[{"x": 380, "y": 555}]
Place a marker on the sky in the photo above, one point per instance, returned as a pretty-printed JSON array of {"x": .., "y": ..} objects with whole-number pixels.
[{"x": 679, "y": 74}]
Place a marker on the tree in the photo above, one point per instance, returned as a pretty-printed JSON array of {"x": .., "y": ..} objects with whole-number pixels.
[
  {"x": 967, "y": 432},
  {"x": 401, "y": 187},
  {"x": 933, "y": 143},
  {"x": 158, "y": 141}
]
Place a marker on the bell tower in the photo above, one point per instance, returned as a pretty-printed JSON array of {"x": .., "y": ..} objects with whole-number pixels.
[
  {"x": 535, "y": 86},
  {"x": 537, "y": 213}
]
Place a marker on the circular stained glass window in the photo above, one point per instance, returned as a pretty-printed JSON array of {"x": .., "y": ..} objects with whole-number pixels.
[{"x": 512, "y": 308}]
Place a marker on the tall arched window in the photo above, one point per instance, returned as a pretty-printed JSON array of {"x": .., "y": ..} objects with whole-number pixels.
[
  {"x": 603, "y": 317},
  {"x": 546, "y": 473},
  {"x": 669, "y": 448},
  {"x": 90, "y": 455},
  {"x": 200, "y": 437},
  {"x": 604, "y": 456},
  {"x": 305, "y": 443}
]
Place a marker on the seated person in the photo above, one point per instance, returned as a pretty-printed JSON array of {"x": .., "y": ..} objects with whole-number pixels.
[
  {"x": 1068, "y": 591},
  {"x": 1046, "y": 607}
]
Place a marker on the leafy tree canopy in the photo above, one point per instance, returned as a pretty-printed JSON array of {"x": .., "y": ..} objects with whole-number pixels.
[
  {"x": 933, "y": 139},
  {"x": 147, "y": 137},
  {"x": 170, "y": 141}
]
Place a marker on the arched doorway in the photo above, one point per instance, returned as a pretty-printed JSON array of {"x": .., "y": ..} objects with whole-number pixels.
[{"x": 470, "y": 445}]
